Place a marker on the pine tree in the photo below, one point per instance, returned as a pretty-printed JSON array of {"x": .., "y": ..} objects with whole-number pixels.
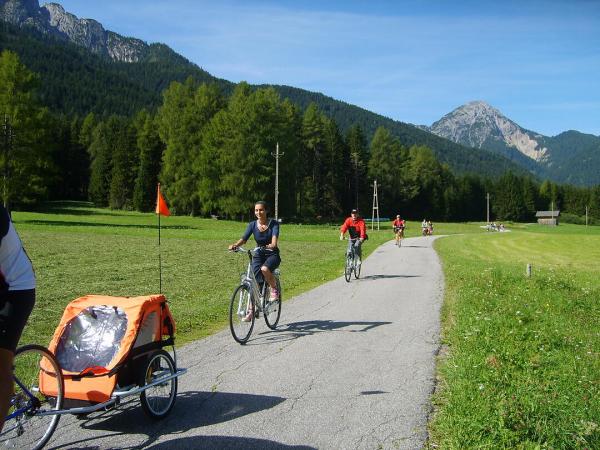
[
  {"x": 508, "y": 198},
  {"x": 150, "y": 150},
  {"x": 124, "y": 167},
  {"x": 25, "y": 139},
  {"x": 334, "y": 153},
  {"x": 106, "y": 136},
  {"x": 182, "y": 118},
  {"x": 312, "y": 153}
]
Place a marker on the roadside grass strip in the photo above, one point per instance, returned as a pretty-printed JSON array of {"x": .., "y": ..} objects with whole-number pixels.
[{"x": 520, "y": 366}]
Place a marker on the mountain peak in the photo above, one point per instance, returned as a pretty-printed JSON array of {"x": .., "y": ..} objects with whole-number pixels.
[
  {"x": 480, "y": 125},
  {"x": 52, "y": 19}
]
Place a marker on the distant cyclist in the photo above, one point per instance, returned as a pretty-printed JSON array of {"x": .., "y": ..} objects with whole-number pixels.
[
  {"x": 356, "y": 228},
  {"x": 398, "y": 224},
  {"x": 17, "y": 297},
  {"x": 424, "y": 227},
  {"x": 266, "y": 259}
]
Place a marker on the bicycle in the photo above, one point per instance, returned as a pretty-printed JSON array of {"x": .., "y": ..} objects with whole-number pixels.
[
  {"x": 250, "y": 297},
  {"x": 353, "y": 262},
  {"x": 399, "y": 234},
  {"x": 32, "y": 415}
]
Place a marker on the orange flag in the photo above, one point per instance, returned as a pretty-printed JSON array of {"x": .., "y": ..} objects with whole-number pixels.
[{"x": 161, "y": 205}]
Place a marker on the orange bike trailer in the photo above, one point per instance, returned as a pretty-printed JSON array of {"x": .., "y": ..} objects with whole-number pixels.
[{"x": 102, "y": 341}]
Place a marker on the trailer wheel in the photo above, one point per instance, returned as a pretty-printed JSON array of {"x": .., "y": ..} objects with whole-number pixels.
[{"x": 158, "y": 400}]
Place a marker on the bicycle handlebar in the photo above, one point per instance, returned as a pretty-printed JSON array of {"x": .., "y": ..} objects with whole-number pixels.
[{"x": 241, "y": 249}]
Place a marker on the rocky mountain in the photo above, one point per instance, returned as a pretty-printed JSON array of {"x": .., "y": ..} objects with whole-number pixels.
[
  {"x": 479, "y": 125},
  {"x": 52, "y": 19}
]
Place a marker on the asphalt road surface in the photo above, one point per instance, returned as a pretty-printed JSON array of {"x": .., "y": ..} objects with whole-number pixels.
[{"x": 351, "y": 366}]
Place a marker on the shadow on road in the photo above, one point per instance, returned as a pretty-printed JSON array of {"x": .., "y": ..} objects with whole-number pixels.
[
  {"x": 414, "y": 246},
  {"x": 297, "y": 330},
  {"x": 379, "y": 277},
  {"x": 226, "y": 442},
  {"x": 191, "y": 410}
]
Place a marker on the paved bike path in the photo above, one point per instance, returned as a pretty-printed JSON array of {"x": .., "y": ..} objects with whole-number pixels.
[{"x": 351, "y": 366}]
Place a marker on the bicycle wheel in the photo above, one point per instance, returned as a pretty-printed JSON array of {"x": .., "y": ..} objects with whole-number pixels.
[
  {"x": 158, "y": 400},
  {"x": 273, "y": 309},
  {"x": 356, "y": 265},
  {"x": 28, "y": 429},
  {"x": 241, "y": 304},
  {"x": 348, "y": 267}
]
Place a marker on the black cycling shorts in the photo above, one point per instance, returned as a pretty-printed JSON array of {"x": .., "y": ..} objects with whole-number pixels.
[
  {"x": 15, "y": 307},
  {"x": 265, "y": 257}
]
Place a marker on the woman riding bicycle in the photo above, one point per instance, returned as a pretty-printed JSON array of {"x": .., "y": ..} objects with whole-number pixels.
[
  {"x": 424, "y": 227},
  {"x": 266, "y": 259},
  {"x": 17, "y": 296},
  {"x": 356, "y": 228},
  {"x": 398, "y": 226}
]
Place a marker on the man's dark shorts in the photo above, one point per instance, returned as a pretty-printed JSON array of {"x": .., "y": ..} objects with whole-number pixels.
[
  {"x": 264, "y": 257},
  {"x": 15, "y": 307}
]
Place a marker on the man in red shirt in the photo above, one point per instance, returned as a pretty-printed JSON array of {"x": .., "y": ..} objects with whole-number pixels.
[
  {"x": 399, "y": 226},
  {"x": 356, "y": 228}
]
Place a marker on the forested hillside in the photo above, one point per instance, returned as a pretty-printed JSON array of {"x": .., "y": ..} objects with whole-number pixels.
[
  {"x": 76, "y": 81},
  {"x": 78, "y": 126}
]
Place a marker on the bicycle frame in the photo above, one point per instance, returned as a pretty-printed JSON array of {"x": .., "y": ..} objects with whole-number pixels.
[
  {"x": 24, "y": 409},
  {"x": 352, "y": 247},
  {"x": 249, "y": 279}
]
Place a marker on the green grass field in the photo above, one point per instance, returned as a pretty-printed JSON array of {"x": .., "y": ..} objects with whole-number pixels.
[{"x": 520, "y": 367}]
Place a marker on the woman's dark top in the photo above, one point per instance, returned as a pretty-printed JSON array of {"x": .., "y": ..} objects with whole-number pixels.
[{"x": 261, "y": 238}]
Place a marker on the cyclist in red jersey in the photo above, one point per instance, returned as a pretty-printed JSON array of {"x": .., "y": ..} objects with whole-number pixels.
[
  {"x": 398, "y": 226},
  {"x": 356, "y": 228}
]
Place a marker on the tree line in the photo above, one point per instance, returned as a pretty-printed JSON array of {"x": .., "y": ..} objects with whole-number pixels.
[{"x": 213, "y": 154}]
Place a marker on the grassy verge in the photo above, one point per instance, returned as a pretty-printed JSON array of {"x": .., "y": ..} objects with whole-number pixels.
[
  {"x": 78, "y": 250},
  {"x": 521, "y": 367}
]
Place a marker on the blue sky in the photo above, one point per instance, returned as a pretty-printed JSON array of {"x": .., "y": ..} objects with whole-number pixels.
[{"x": 538, "y": 62}]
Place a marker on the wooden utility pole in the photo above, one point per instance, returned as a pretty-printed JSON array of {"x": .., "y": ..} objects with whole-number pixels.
[
  {"x": 487, "y": 196},
  {"x": 586, "y": 216},
  {"x": 375, "y": 207},
  {"x": 277, "y": 155}
]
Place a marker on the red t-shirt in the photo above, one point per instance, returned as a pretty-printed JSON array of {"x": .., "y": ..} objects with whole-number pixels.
[
  {"x": 356, "y": 228},
  {"x": 398, "y": 223}
]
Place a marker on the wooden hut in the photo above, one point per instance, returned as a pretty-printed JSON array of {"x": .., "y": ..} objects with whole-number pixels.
[{"x": 547, "y": 217}]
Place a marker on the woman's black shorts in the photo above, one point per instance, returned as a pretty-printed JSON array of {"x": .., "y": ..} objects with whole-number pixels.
[
  {"x": 15, "y": 307},
  {"x": 265, "y": 257}
]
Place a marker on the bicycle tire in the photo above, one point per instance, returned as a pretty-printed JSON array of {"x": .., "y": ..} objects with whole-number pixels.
[
  {"x": 272, "y": 310},
  {"x": 356, "y": 266},
  {"x": 241, "y": 302},
  {"x": 24, "y": 431},
  {"x": 348, "y": 267},
  {"x": 157, "y": 401}
]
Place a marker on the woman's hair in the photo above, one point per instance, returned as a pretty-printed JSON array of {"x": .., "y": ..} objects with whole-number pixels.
[{"x": 263, "y": 204}]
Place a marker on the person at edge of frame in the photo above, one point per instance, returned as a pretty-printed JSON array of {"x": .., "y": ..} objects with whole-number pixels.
[{"x": 17, "y": 297}]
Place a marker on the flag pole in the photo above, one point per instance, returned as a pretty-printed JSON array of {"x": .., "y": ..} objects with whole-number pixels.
[
  {"x": 159, "y": 256},
  {"x": 161, "y": 209}
]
